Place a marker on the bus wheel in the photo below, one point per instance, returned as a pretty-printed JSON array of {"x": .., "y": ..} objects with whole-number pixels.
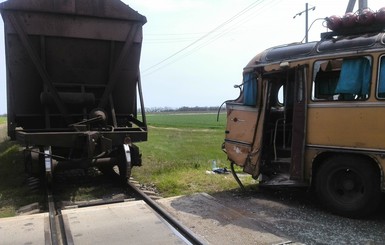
[{"x": 349, "y": 186}]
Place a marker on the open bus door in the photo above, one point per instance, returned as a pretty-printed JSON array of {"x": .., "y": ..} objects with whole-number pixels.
[
  {"x": 299, "y": 125},
  {"x": 282, "y": 161}
]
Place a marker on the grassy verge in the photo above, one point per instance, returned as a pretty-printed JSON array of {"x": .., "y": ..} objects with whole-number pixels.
[
  {"x": 14, "y": 192},
  {"x": 177, "y": 159}
]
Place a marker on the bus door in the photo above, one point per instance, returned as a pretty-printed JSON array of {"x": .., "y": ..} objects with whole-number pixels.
[
  {"x": 244, "y": 129},
  {"x": 299, "y": 124}
]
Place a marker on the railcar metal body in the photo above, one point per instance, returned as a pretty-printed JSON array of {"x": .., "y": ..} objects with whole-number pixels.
[{"x": 73, "y": 82}]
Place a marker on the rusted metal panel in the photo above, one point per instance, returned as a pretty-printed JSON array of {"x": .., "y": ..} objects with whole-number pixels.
[
  {"x": 299, "y": 124},
  {"x": 73, "y": 77},
  {"x": 114, "y": 9},
  {"x": 51, "y": 25},
  {"x": 74, "y": 139},
  {"x": 244, "y": 130},
  {"x": 240, "y": 131},
  {"x": 237, "y": 152},
  {"x": 343, "y": 125},
  {"x": 241, "y": 124}
]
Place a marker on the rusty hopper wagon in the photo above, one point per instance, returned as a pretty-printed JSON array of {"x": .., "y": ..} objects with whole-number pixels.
[{"x": 73, "y": 83}]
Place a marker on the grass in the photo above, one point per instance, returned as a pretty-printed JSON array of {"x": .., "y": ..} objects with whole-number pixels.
[
  {"x": 176, "y": 157},
  {"x": 14, "y": 192},
  {"x": 187, "y": 120}
]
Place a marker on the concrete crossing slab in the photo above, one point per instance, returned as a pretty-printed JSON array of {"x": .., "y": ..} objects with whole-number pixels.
[
  {"x": 121, "y": 223},
  {"x": 26, "y": 229},
  {"x": 131, "y": 222}
]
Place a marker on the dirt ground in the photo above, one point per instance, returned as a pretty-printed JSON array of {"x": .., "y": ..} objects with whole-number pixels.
[{"x": 271, "y": 216}]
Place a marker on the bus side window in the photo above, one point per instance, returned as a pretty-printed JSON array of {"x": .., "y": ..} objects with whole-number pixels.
[
  {"x": 326, "y": 78},
  {"x": 342, "y": 79},
  {"x": 354, "y": 81},
  {"x": 381, "y": 79},
  {"x": 250, "y": 89}
]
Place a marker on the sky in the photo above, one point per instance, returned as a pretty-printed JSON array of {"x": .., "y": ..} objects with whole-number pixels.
[{"x": 193, "y": 51}]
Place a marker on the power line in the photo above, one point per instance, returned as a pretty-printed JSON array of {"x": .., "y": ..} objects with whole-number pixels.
[
  {"x": 172, "y": 37},
  {"x": 213, "y": 38},
  {"x": 245, "y": 10}
]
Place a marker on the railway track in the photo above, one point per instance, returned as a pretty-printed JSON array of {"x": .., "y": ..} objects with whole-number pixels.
[
  {"x": 56, "y": 224},
  {"x": 66, "y": 223},
  {"x": 187, "y": 234}
]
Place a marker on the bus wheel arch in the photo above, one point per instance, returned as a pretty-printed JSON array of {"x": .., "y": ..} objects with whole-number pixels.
[{"x": 347, "y": 184}]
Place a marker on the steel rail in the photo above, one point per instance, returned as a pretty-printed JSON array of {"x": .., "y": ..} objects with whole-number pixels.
[
  {"x": 52, "y": 219},
  {"x": 57, "y": 235},
  {"x": 186, "y": 233}
]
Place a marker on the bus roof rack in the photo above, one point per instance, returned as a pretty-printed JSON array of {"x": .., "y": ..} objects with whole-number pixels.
[{"x": 359, "y": 30}]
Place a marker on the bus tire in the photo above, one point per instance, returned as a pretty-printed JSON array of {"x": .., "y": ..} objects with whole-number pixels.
[{"x": 349, "y": 186}]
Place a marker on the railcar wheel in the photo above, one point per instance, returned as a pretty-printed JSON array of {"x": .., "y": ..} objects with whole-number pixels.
[
  {"x": 125, "y": 171},
  {"x": 349, "y": 186},
  {"x": 125, "y": 163}
]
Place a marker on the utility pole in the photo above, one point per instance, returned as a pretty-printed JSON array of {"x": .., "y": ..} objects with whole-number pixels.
[
  {"x": 306, "y": 11},
  {"x": 350, "y": 6},
  {"x": 362, "y": 4}
]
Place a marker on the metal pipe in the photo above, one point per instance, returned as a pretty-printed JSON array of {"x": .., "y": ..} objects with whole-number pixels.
[
  {"x": 350, "y": 6},
  {"x": 236, "y": 176},
  {"x": 306, "y": 22},
  {"x": 141, "y": 99}
]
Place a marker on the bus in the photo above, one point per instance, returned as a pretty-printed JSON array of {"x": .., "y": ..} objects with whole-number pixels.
[{"x": 313, "y": 115}]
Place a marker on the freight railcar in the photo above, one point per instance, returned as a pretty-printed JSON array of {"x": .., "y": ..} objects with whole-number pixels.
[{"x": 73, "y": 83}]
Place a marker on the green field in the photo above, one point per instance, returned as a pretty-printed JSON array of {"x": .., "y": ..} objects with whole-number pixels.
[
  {"x": 179, "y": 151},
  {"x": 187, "y": 120}
]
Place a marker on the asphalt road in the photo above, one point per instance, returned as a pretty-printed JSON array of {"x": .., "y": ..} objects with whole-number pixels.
[
  {"x": 297, "y": 214},
  {"x": 272, "y": 216}
]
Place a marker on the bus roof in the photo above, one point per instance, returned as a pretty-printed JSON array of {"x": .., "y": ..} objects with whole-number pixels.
[{"x": 325, "y": 46}]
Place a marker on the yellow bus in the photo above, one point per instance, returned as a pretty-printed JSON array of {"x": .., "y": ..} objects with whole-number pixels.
[{"x": 313, "y": 114}]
